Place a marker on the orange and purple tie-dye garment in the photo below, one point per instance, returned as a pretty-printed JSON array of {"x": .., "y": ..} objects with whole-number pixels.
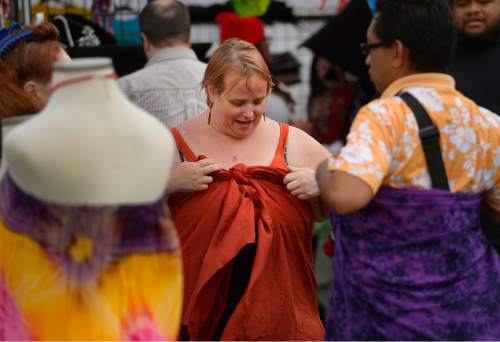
[{"x": 85, "y": 272}]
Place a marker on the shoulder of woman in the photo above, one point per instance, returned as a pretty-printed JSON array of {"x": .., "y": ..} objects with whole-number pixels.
[
  {"x": 296, "y": 135},
  {"x": 192, "y": 125},
  {"x": 304, "y": 149}
]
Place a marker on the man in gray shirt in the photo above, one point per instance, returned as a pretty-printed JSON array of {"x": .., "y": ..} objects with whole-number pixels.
[{"x": 169, "y": 85}]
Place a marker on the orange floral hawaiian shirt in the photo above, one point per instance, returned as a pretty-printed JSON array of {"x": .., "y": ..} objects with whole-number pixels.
[{"x": 383, "y": 147}]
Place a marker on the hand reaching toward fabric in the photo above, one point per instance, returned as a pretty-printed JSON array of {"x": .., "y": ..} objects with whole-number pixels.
[
  {"x": 301, "y": 182},
  {"x": 191, "y": 176}
]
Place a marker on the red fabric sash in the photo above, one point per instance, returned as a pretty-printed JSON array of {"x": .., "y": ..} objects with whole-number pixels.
[{"x": 248, "y": 205}]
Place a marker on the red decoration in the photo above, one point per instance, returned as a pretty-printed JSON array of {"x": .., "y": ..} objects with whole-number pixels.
[
  {"x": 250, "y": 29},
  {"x": 329, "y": 247},
  {"x": 323, "y": 5},
  {"x": 341, "y": 5}
]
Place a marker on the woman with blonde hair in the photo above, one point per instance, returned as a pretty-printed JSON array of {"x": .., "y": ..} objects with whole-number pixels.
[{"x": 246, "y": 239}]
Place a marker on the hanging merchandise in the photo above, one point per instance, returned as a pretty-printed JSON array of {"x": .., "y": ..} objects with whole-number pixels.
[
  {"x": 77, "y": 31},
  {"x": 285, "y": 68},
  {"x": 371, "y": 4},
  {"x": 330, "y": 102},
  {"x": 51, "y": 8},
  {"x": 101, "y": 14},
  {"x": 341, "y": 5},
  {"x": 342, "y": 50},
  {"x": 250, "y": 8},
  {"x": 322, "y": 5},
  {"x": 249, "y": 29},
  {"x": 126, "y": 21},
  {"x": 335, "y": 93},
  {"x": 126, "y": 28},
  {"x": 4, "y": 11}
]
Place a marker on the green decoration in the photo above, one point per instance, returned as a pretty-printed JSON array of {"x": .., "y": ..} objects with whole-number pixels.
[{"x": 250, "y": 8}]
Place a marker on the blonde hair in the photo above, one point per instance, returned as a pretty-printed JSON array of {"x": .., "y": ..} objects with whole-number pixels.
[{"x": 234, "y": 55}]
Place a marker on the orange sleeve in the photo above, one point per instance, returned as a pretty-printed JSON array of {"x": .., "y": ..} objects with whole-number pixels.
[{"x": 370, "y": 145}]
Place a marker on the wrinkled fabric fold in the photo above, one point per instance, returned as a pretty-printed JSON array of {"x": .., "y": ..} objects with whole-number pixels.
[
  {"x": 87, "y": 272},
  {"x": 414, "y": 265}
]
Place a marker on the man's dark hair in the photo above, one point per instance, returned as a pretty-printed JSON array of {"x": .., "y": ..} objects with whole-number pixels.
[
  {"x": 165, "y": 23},
  {"x": 425, "y": 27}
]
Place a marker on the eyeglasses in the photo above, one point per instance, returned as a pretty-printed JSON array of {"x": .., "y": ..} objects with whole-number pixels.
[{"x": 367, "y": 48}]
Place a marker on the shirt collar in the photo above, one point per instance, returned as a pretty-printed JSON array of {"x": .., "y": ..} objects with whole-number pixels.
[
  {"x": 430, "y": 80},
  {"x": 171, "y": 53}
]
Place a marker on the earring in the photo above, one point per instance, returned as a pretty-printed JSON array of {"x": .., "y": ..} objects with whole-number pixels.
[
  {"x": 264, "y": 115},
  {"x": 210, "y": 113}
]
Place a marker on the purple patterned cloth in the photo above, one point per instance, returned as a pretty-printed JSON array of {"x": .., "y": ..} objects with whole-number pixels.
[{"x": 414, "y": 265}]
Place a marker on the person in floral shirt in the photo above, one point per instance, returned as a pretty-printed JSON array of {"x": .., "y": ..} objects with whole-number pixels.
[{"x": 411, "y": 261}]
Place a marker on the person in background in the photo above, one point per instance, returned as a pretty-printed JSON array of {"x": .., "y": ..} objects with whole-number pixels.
[
  {"x": 339, "y": 81},
  {"x": 247, "y": 240},
  {"x": 476, "y": 67},
  {"x": 411, "y": 261},
  {"x": 280, "y": 105},
  {"x": 27, "y": 55},
  {"x": 169, "y": 86}
]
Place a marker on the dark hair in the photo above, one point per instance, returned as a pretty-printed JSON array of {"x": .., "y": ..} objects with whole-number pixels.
[
  {"x": 425, "y": 27},
  {"x": 165, "y": 22},
  {"x": 32, "y": 59}
]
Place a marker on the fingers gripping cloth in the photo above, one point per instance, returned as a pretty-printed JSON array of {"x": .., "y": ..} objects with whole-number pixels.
[{"x": 13, "y": 35}]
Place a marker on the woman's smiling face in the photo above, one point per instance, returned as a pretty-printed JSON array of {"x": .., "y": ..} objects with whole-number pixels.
[{"x": 239, "y": 108}]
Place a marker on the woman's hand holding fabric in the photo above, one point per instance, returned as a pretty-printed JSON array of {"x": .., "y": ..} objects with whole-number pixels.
[
  {"x": 301, "y": 182},
  {"x": 191, "y": 176}
]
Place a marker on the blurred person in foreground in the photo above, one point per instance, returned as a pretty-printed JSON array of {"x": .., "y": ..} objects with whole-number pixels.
[
  {"x": 411, "y": 261},
  {"x": 247, "y": 239}
]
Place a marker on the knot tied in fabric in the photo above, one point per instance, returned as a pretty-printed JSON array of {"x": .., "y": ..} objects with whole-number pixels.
[{"x": 239, "y": 174}]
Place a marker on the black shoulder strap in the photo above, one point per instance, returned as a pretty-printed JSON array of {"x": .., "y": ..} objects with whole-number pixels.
[{"x": 429, "y": 136}]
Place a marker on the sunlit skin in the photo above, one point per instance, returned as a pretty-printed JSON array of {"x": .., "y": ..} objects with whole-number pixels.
[
  {"x": 237, "y": 111},
  {"x": 476, "y": 18}
]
